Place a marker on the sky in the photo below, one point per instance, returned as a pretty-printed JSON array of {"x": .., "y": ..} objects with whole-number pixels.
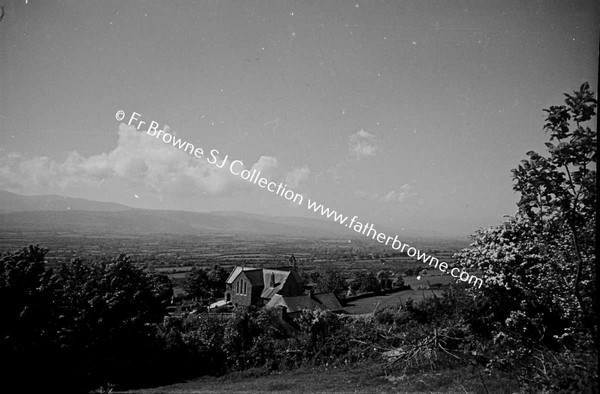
[{"x": 407, "y": 114}]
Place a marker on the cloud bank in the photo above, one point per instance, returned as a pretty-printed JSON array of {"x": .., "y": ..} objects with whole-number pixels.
[
  {"x": 140, "y": 161},
  {"x": 390, "y": 197}
]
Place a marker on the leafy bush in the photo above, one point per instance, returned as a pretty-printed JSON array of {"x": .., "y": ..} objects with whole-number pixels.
[
  {"x": 538, "y": 308},
  {"x": 83, "y": 326}
]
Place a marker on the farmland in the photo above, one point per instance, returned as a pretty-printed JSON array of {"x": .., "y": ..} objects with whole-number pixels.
[{"x": 177, "y": 253}]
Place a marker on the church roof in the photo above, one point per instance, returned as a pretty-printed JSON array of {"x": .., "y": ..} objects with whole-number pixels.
[
  {"x": 271, "y": 279},
  {"x": 255, "y": 277},
  {"x": 324, "y": 301},
  {"x": 329, "y": 301},
  {"x": 237, "y": 270}
]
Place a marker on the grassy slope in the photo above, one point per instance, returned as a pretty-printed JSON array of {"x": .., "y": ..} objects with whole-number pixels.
[
  {"x": 357, "y": 379},
  {"x": 368, "y": 305}
]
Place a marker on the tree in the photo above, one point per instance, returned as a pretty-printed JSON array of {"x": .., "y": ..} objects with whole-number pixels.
[
  {"x": 162, "y": 287},
  {"x": 27, "y": 331},
  {"x": 197, "y": 283},
  {"x": 79, "y": 327},
  {"x": 370, "y": 283},
  {"x": 398, "y": 280},
  {"x": 559, "y": 192},
  {"x": 330, "y": 281},
  {"x": 106, "y": 311},
  {"x": 412, "y": 271},
  {"x": 216, "y": 280},
  {"x": 26, "y": 297},
  {"x": 366, "y": 282},
  {"x": 547, "y": 249},
  {"x": 383, "y": 277},
  {"x": 539, "y": 265}
]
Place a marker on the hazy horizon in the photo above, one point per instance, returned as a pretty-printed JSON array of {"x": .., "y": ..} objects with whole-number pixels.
[{"x": 332, "y": 229}]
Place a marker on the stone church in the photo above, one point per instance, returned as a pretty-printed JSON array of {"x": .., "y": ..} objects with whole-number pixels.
[
  {"x": 274, "y": 287},
  {"x": 247, "y": 286}
]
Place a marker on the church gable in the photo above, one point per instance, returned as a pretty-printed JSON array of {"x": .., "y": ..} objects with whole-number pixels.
[{"x": 252, "y": 286}]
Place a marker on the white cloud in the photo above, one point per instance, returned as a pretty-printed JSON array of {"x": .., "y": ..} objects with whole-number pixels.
[
  {"x": 361, "y": 194},
  {"x": 138, "y": 159},
  {"x": 265, "y": 164},
  {"x": 390, "y": 197},
  {"x": 362, "y": 144},
  {"x": 295, "y": 177}
]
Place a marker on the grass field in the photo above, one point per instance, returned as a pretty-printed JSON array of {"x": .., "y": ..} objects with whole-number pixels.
[
  {"x": 428, "y": 279},
  {"x": 368, "y": 305},
  {"x": 364, "y": 378}
]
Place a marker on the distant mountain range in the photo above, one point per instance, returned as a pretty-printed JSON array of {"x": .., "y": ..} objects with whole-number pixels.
[
  {"x": 78, "y": 216},
  {"x": 51, "y": 213},
  {"x": 10, "y": 202}
]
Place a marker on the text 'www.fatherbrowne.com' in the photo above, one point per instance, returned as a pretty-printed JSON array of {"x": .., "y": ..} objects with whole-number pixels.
[
  {"x": 369, "y": 231},
  {"x": 237, "y": 168}
]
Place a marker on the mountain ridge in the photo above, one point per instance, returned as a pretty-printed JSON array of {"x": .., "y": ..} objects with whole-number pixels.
[
  {"x": 12, "y": 202},
  {"x": 61, "y": 214},
  {"x": 52, "y": 213}
]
